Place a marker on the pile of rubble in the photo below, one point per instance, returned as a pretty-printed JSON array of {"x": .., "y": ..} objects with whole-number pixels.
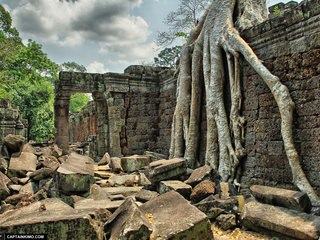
[{"x": 135, "y": 197}]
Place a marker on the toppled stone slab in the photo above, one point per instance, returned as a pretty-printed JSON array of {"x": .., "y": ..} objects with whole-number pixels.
[
  {"x": 227, "y": 221},
  {"x": 98, "y": 204},
  {"x": 125, "y": 191},
  {"x": 154, "y": 156},
  {"x": 202, "y": 190},
  {"x": 198, "y": 175},
  {"x": 146, "y": 195},
  {"x": 173, "y": 217},
  {"x": 282, "y": 197},
  {"x": 3, "y": 165},
  {"x": 143, "y": 180},
  {"x": 29, "y": 188},
  {"x": 19, "y": 166},
  {"x": 42, "y": 173},
  {"x": 75, "y": 175},
  {"x": 128, "y": 222},
  {"x": 14, "y": 143},
  {"x": 285, "y": 221},
  {"x": 4, "y": 191},
  {"x": 178, "y": 186},
  {"x": 226, "y": 190},
  {"x": 124, "y": 180},
  {"x": 105, "y": 160},
  {"x": 166, "y": 169},
  {"x": 115, "y": 164},
  {"x": 57, "y": 224},
  {"x": 135, "y": 162},
  {"x": 97, "y": 193}
]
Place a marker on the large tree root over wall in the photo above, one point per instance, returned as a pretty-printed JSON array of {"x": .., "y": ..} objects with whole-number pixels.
[{"x": 202, "y": 63}]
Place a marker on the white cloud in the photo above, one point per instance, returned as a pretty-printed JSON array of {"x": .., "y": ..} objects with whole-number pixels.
[
  {"x": 72, "y": 23},
  {"x": 96, "y": 67}
]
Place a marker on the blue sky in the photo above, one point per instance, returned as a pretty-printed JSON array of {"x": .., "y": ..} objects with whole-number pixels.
[{"x": 101, "y": 35}]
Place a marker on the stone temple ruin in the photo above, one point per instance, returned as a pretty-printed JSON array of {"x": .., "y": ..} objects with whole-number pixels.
[{"x": 127, "y": 190}]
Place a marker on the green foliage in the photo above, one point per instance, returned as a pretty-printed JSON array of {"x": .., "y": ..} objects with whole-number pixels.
[
  {"x": 276, "y": 10},
  {"x": 27, "y": 77},
  {"x": 182, "y": 34},
  {"x": 168, "y": 57},
  {"x": 72, "y": 67},
  {"x": 78, "y": 101}
]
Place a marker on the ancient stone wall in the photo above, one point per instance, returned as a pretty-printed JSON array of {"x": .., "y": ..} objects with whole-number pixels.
[
  {"x": 289, "y": 45},
  {"x": 11, "y": 121}
]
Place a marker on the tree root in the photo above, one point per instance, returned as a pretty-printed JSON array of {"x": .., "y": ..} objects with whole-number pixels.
[{"x": 214, "y": 37}]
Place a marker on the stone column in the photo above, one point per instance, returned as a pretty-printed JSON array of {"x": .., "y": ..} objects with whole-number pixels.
[
  {"x": 102, "y": 130},
  {"x": 61, "y": 116},
  {"x": 116, "y": 121}
]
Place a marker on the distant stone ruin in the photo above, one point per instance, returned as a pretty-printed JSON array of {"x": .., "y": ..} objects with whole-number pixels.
[
  {"x": 11, "y": 121},
  {"x": 133, "y": 111}
]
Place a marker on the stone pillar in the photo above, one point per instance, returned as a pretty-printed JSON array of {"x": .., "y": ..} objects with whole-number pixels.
[
  {"x": 102, "y": 130},
  {"x": 61, "y": 116},
  {"x": 116, "y": 117}
]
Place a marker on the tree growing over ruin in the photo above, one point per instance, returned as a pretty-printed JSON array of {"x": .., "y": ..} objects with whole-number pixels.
[{"x": 202, "y": 64}]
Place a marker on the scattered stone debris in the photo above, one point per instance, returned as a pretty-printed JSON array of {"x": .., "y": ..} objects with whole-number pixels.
[{"x": 42, "y": 190}]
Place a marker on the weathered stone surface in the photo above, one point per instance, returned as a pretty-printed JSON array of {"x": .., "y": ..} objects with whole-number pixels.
[
  {"x": 115, "y": 164},
  {"x": 282, "y": 197},
  {"x": 14, "y": 143},
  {"x": 199, "y": 174},
  {"x": 174, "y": 218},
  {"x": 135, "y": 162},
  {"x": 143, "y": 180},
  {"x": 42, "y": 173},
  {"x": 124, "y": 180},
  {"x": 57, "y": 224},
  {"x": 226, "y": 190},
  {"x": 146, "y": 195},
  {"x": 125, "y": 191},
  {"x": 202, "y": 190},
  {"x": 288, "y": 222},
  {"x": 3, "y": 165},
  {"x": 178, "y": 186},
  {"x": 105, "y": 160},
  {"x": 227, "y": 221},
  {"x": 48, "y": 162},
  {"x": 29, "y": 188},
  {"x": 98, "y": 204},
  {"x": 213, "y": 206},
  {"x": 28, "y": 148},
  {"x": 15, "y": 187},
  {"x": 15, "y": 198},
  {"x": 75, "y": 175},
  {"x": 128, "y": 222},
  {"x": 97, "y": 193},
  {"x": 19, "y": 166},
  {"x": 4, "y": 191},
  {"x": 56, "y": 151},
  {"x": 166, "y": 169},
  {"x": 154, "y": 156}
]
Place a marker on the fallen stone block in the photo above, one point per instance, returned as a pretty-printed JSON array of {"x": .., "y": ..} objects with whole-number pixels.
[
  {"x": 58, "y": 224},
  {"x": 75, "y": 175},
  {"x": 202, "y": 190},
  {"x": 105, "y": 160},
  {"x": 282, "y": 197},
  {"x": 28, "y": 148},
  {"x": 3, "y": 165},
  {"x": 166, "y": 169},
  {"x": 226, "y": 190},
  {"x": 200, "y": 174},
  {"x": 227, "y": 221},
  {"x": 4, "y": 191},
  {"x": 97, "y": 193},
  {"x": 172, "y": 217},
  {"x": 178, "y": 186},
  {"x": 29, "y": 188},
  {"x": 128, "y": 222},
  {"x": 42, "y": 173},
  {"x": 146, "y": 195},
  {"x": 98, "y": 204},
  {"x": 154, "y": 156},
  {"x": 258, "y": 216},
  {"x": 135, "y": 162},
  {"x": 115, "y": 164},
  {"x": 15, "y": 187},
  {"x": 124, "y": 180},
  {"x": 143, "y": 180},
  {"x": 19, "y": 166},
  {"x": 125, "y": 191},
  {"x": 14, "y": 143},
  {"x": 213, "y": 206}
]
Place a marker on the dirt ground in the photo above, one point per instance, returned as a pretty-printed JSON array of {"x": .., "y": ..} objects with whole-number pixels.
[{"x": 238, "y": 234}]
